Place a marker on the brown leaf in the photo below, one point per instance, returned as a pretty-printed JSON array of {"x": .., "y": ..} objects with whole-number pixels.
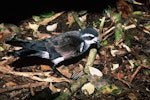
[
  {"x": 45, "y": 68},
  {"x": 6, "y": 34},
  {"x": 11, "y": 83},
  {"x": 1, "y": 36},
  {"x": 70, "y": 19},
  {"x": 52, "y": 88},
  {"x": 120, "y": 75},
  {"x": 124, "y": 8},
  {"x": 42, "y": 35},
  {"x": 132, "y": 96},
  {"x": 64, "y": 71}
]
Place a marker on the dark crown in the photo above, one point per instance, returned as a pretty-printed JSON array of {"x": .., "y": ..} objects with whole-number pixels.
[{"x": 90, "y": 30}]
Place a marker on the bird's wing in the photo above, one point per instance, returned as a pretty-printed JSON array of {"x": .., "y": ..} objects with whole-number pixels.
[{"x": 66, "y": 46}]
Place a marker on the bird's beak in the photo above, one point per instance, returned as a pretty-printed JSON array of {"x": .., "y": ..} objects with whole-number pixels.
[{"x": 98, "y": 43}]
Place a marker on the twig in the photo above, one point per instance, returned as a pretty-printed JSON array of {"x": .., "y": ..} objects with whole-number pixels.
[
  {"x": 134, "y": 74},
  {"x": 106, "y": 32},
  {"x": 79, "y": 83},
  {"x": 32, "y": 75},
  {"x": 137, "y": 70},
  {"x": 101, "y": 28},
  {"x": 138, "y": 3},
  {"x": 129, "y": 26},
  {"x": 90, "y": 60},
  {"x": 37, "y": 84},
  {"x": 8, "y": 60},
  {"x": 145, "y": 66},
  {"x": 82, "y": 25},
  {"x": 46, "y": 20},
  {"x": 127, "y": 83}
]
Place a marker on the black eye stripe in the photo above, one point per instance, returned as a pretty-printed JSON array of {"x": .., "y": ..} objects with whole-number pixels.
[{"x": 89, "y": 37}]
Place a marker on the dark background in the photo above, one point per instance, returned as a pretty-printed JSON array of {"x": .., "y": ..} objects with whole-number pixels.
[{"x": 15, "y": 11}]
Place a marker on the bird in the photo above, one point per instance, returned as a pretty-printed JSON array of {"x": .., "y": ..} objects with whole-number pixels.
[{"x": 58, "y": 48}]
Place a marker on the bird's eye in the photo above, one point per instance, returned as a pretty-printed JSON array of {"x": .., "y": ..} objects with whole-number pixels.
[
  {"x": 88, "y": 37},
  {"x": 91, "y": 37}
]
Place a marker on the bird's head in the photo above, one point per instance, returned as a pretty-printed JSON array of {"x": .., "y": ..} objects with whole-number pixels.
[{"x": 90, "y": 36}]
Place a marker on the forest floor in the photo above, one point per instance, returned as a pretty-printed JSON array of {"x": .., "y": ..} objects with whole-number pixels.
[{"x": 120, "y": 70}]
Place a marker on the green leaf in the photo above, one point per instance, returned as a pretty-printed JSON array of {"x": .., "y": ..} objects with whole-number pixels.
[
  {"x": 128, "y": 43},
  {"x": 128, "y": 39},
  {"x": 98, "y": 23},
  {"x": 2, "y": 28},
  {"x": 111, "y": 86},
  {"x": 110, "y": 89},
  {"x": 105, "y": 42},
  {"x": 36, "y": 18},
  {"x": 136, "y": 64},
  {"x": 148, "y": 71},
  {"x": 118, "y": 35},
  {"x": 117, "y": 17},
  {"x": 46, "y": 15},
  {"x": 137, "y": 13},
  {"x": 118, "y": 32},
  {"x": 117, "y": 91},
  {"x": 15, "y": 38}
]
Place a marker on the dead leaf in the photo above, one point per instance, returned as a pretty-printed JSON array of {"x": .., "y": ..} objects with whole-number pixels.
[
  {"x": 6, "y": 35},
  {"x": 121, "y": 52},
  {"x": 70, "y": 19},
  {"x": 9, "y": 84},
  {"x": 132, "y": 96},
  {"x": 110, "y": 89},
  {"x": 95, "y": 71},
  {"x": 64, "y": 71},
  {"x": 52, "y": 88},
  {"x": 114, "y": 66},
  {"x": 83, "y": 18},
  {"x": 42, "y": 35},
  {"x": 131, "y": 61},
  {"x": 124, "y": 8},
  {"x": 126, "y": 47},
  {"x": 1, "y": 49},
  {"x": 33, "y": 26},
  {"x": 52, "y": 27},
  {"x": 45, "y": 68},
  {"x": 120, "y": 75},
  {"x": 1, "y": 36},
  {"x": 88, "y": 88},
  {"x": 77, "y": 74},
  {"x": 113, "y": 52},
  {"x": 28, "y": 38}
]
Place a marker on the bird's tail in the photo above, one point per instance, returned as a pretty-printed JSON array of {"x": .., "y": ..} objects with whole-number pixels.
[
  {"x": 29, "y": 48},
  {"x": 20, "y": 43}
]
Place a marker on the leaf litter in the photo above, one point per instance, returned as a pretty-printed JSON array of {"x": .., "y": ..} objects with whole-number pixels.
[{"x": 123, "y": 62}]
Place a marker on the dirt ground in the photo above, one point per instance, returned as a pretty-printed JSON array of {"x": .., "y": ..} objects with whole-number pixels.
[{"x": 124, "y": 63}]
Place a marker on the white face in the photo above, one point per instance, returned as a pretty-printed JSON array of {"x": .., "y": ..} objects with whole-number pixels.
[
  {"x": 94, "y": 40},
  {"x": 90, "y": 38}
]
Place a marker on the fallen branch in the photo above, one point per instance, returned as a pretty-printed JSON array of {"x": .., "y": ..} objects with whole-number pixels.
[
  {"x": 135, "y": 73},
  {"x": 46, "y": 20},
  {"x": 101, "y": 28},
  {"x": 82, "y": 25},
  {"x": 32, "y": 75},
  {"x": 37, "y": 84},
  {"x": 79, "y": 83},
  {"x": 137, "y": 70}
]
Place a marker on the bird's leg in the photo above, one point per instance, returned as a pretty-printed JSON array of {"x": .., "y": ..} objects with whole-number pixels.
[{"x": 58, "y": 72}]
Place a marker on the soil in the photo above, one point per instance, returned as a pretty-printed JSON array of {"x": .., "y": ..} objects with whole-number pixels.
[{"x": 125, "y": 64}]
